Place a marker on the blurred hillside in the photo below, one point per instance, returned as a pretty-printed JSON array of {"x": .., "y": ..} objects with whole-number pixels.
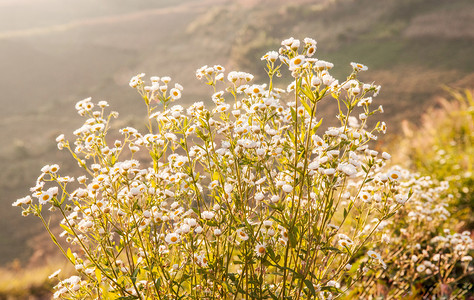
[{"x": 56, "y": 52}]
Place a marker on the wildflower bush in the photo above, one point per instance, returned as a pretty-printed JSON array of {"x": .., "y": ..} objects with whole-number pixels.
[
  {"x": 444, "y": 149},
  {"x": 249, "y": 198},
  {"x": 423, "y": 255}
]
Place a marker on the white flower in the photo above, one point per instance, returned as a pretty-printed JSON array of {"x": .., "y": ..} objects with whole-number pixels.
[
  {"x": 45, "y": 169},
  {"x": 309, "y": 41},
  {"x": 60, "y": 138},
  {"x": 400, "y": 198},
  {"x": 171, "y": 136},
  {"x": 268, "y": 223},
  {"x": 394, "y": 175},
  {"x": 270, "y": 56},
  {"x": 311, "y": 50},
  {"x": 288, "y": 41},
  {"x": 359, "y": 67},
  {"x": 207, "y": 215},
  {"x": 172, "y": 238},
  {"x": 365, "y": 197},
  {"x": 175, "y": 94},
  {"x": 136, "y": 80},
  {"x": 233, "y": 76},
  {"x": 242, "y": 234},
  {"x": 347, "y": 169},
  {"x": 340, "y": 236},
  {"x": 24, "y": 200},
  {"x": 296, "y": 62},
  {"x": 185, "y": 228},
  {"x": 228, "y": 188},
  {"x": 316, "y": 81},
  {"x": 291, "y": 87},
  {"x": 295, "y": 44},
  {"x": 329, "y": 171},
  {"x": 365, "y": 101},
  {"x": 213, "y": 184},
  {"x": 373, "y": 255},
  {"x": 321, "y": 65},
  {"x": 421, "y": 268},
  {"x": 54, "y": 168},
  {"x": 259, "y": 196},
  {"x": 44, "y": 197},
  {"x": 191, "y": 222},
  {"x": 287, "y": 188},
  {"x": 333, "y": 283},
  {"x": 260, "y": 249},
  {"x": 202, "y": 261},
  {"x": 345, "y": 243},
  {"x": 386, "y": 156},
  {"x": 275, "y": 198}
]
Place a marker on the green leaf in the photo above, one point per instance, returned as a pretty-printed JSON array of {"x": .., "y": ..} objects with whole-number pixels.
[
  {"x": 67, "y": 229},
  {"x": 331, "y": 249},
  {"x": 306, "y": 107},
  {"x": 134, "y": 275},
  {"x": 310, "y": 286},
  {"x": 293, "y": 113},
  {"x": 349, "y": 281},
  {"x": 293, "y": 236},
  {"x": 317, "y": 125},
  {"x": 70, "y": 255},
  {"x": 368, "y": 180},
  {"x": 271, "y": 253},
  {"x": 98, "y": 275}
]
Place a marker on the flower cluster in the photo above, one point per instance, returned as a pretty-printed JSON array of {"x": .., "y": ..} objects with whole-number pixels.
[
  {"x": 414, "y": 251},
  {"x": 248, "y": 198}
]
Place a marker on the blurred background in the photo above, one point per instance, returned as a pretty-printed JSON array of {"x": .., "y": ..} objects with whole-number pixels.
[{"x": 54, "y": 53}]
